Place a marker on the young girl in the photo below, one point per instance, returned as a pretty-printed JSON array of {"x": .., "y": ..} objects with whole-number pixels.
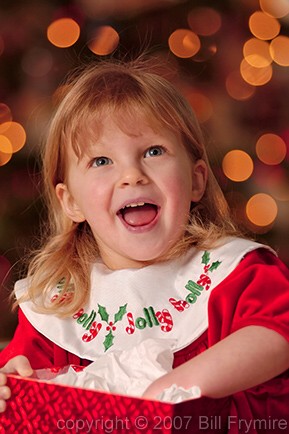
[{"x": 141, "y": 245}]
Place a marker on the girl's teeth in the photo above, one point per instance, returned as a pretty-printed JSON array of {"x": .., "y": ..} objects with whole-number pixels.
[{"x": 133, "y": 205}]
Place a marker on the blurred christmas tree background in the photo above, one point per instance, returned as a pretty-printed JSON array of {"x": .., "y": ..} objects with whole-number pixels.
[{"x": 229, "y": 58}]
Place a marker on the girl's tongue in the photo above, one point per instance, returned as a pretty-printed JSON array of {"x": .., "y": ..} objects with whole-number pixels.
[{"x": 139, "y": 215}]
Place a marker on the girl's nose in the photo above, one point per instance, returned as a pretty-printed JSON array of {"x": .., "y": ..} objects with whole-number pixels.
[{"x": 132, "y": 176}]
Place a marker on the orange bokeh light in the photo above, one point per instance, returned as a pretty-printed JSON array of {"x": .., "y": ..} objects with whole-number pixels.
[
  {"x": 104, "y": 41},
  {"x": 237, "y": 88},
  {"x": 204, "y": 21},
  {"x": 63, "y": 33},
  {"x": 257, "y": 53},
  {"x": 280, "y": 189},
  {"x": 274, "y": 180},
  {"x": 184, "y": 43},
  {"x": 271, "y": 149},
  {"x": 261, "y": 209},
  {"x": 5, "y": 145},
  {"x": 4, "y": 158},
  {"x": 277, "y": 9},
  {"x": 15, "y": 134},
  {"x": 237, "y": 165},
  {"x": 5, "y": 113},
  {"x": 255, "y": 76},
  {"x": 37, "y": 62},
  {"x": 279, "y": 49},
  {"x": 264, "y": 26},
  {"x": 201, "y": 105}
]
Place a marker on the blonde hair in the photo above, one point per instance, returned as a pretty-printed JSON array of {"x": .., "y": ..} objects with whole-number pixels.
[{"x": 123, "y": 89}]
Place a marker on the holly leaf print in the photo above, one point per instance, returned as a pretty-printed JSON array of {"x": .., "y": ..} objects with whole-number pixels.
[
  {"x": 61, "y": 283},
  {"x": 206, "y": 257},
  {"x": 214, "y": 265},
  {"x": 119, "y": 315},
  {"x": 103, "y": 313},
  {"x": 108, "y": 341}
]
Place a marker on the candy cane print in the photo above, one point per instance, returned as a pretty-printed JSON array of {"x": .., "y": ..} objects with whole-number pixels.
[
  {"x": 180, "y": 305},
  {"x": 78, "y": 314},
  {"x": 165, "y": 318},
  {"x": 131, "y": 326},
  {"x": 206, "y": 268},
  {"x": 205, "y": 281},
  {"x": 64, "y": 297},
  {"x": 94, "y": 330},
  {"x": 54, "y": 298}
]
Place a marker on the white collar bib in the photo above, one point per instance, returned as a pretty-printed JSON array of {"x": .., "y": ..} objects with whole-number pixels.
[{"x": 165, "y": 300}]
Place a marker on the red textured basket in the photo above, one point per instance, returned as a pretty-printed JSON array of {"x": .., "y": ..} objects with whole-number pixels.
[{"x": 40, "y": 407}]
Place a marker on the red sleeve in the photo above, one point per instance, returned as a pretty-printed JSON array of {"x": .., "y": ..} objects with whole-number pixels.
[
  {"x": 40, "y": 351},
  {"x": 255, "y": 293},
  {"x": 27, "y": 341}
]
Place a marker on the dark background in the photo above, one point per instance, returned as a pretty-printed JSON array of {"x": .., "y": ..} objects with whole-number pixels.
[{"x": 31, "y": 69}]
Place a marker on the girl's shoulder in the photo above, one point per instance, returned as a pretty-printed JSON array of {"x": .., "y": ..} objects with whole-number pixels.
[
  {"x": 224, "y": 256},
  {"x": 259, "y": 279},
  {"x": 235, "y": 245}
]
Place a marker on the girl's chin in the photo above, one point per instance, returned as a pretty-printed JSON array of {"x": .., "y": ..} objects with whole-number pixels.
[
  {"x": 132, "y": 261},
  {"x": 136, "y": 254},
  {"x": 141, "y": 260}
]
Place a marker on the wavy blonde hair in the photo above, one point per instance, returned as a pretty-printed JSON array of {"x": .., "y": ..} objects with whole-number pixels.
[{"x": 123, "y": 89}]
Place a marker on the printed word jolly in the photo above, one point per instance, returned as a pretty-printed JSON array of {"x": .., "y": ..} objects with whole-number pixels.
[{"x": 150, "y": 318}]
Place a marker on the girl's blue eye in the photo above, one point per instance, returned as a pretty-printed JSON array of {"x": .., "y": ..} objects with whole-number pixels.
[
  {"x": 154, "y": 151},
  {"x": 101, "y": 161}
]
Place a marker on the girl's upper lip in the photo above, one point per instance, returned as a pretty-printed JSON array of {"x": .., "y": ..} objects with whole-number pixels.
[{"x": 137, "y": 201}]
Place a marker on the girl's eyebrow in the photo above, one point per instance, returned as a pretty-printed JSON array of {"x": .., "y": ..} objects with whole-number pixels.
[
  {"x": 88, "y": 151},
  {"x": 96, "y": 147}
]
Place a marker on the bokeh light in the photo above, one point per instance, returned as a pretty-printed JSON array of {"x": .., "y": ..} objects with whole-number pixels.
[
  {"x": 204, "y": 21},
  {"x": 5, "y": 145},
  {"x": 184, "y": 43},
  {"x": 37, "y": 62},
  {"x": 271, "y": 149},
  {"x": 5, "y": 113},
  {"x": 276, "y": 8},
  {"x": 273, "y": 180},
  {"x": 264, "y": 26},
  {"x": 255, "y": 76},
  {"x": 237, "y": 88},
  {"x": 207, "y": 50},
  {"x": 237, "y": 165},
  {"x": 63, "y": 32},
  {"x": 201, "y": 105},
  {"x": 279, "y": 49},
  {"x": 280, "y": 188},
  {"x": 261, "y": 209},
  {"x": 4, "y": 157},
  {"x": 257, "y": 53},
  {"x": 15, "y": 133},
  {"x": 105, "y": 40}
]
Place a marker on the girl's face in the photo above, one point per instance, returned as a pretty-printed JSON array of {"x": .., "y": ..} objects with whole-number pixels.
[{"x": 134, "y": 189}]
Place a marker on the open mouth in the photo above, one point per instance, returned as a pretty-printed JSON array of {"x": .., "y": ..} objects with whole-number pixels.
[{"x": 138, "y": 214}]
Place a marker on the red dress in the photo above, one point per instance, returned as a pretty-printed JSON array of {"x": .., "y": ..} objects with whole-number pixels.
[{"x": 255, "y": 293}]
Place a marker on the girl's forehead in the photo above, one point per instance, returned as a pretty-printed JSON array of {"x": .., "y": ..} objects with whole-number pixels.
[
  {"x": 132, "y": 119},
  {"x": 129, "y": 122}
]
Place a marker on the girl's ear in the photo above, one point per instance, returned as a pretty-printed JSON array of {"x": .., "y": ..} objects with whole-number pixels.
[
  {"x": 68, "y": 203},
  {"x": 199, "y": 180}
]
